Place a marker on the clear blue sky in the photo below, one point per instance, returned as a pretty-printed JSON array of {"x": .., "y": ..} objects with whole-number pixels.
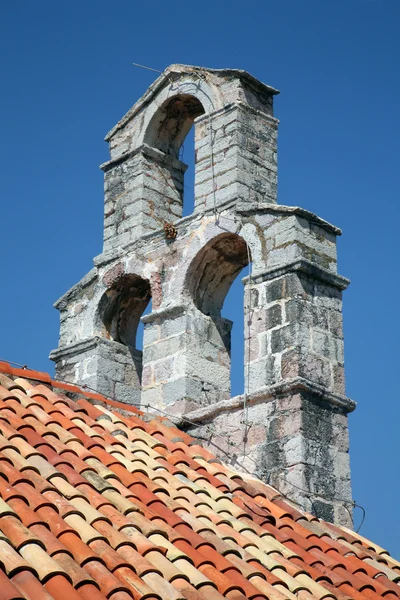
[{"x": 66, "y": 78}]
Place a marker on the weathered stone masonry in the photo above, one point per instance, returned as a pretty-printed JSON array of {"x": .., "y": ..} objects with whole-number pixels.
[{"x": 291, "y": 426}]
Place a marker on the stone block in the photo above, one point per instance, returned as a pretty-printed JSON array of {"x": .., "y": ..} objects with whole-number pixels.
[
  {"x": 336, "y": 323},
  {"x": 314, "y": 368},
  {"x": 163, "y": 348},
  {"x": 127, "y": 394},
  {"x": 302, "y": 311},
  {"x": 326, "y": 345},
  {"x": 294, "y": 335},
  {"x": 147, "y": 376},
  {"x": 298, "y": 285},
  {"x": 339, "y": 382},
  {"x": 275, "y": 290},
  {"x": 163, "y": 370},
  {"x": 151, "y": 399},
  {"x": 112, "y": 370},
  {"x": 262, "y": 373},
  {"x": 273, "y": 316},
  {"x": 151, "y": 334},
  {"x": 173, "y": 326},
  {"x": 184, "y": 389}
]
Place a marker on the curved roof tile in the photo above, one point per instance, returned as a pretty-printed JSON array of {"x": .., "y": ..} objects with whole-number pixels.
[{"x": 97, "y": 503}]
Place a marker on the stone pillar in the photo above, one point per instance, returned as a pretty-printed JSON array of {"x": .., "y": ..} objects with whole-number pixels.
[
  {"x": 97, "y": 346},
  {"x": 186, "y": 358},
  {"x": 296, "y": 351},
  {"x": 237, "y": 159},
  {"x": 295, "y": 306},
  {"x": 296, "y": 328},
  {"x": 296, "y": 347},
  {"x": 143, "y": 189},
  {"x": 103, "y": 366}
]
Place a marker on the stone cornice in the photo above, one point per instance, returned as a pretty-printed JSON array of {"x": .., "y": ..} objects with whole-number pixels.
[
  {"x": 145, "y": 150},
  {"x": 239, "y": 208},
  {"x": 234, "y": 106},
  {"x": 294, "y": 210},
  {"x": 163, "y": 313},
  {"x": 267, "y": 394},
  {"x": 84, "y": 346},
  {"x": 82, "y": 284},
  {"x": 302, "y": 265}
]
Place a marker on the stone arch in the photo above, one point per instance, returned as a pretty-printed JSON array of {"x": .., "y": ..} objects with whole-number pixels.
[
  {"x": 166, "y": 134},
  {"x": 208, "y": 280},
  {"x": 167, "y": 120},
  {"x": 214, "y": 269},
  {"x": 121, "y": 307},
  {"x": 191, "y": 88},
  {"x": 171, "y": 123},
  {"x": 197, "y": 245}
]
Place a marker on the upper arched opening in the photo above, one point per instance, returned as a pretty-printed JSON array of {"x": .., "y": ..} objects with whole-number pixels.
[
  {"x": 214, "y": 269},
  {"x": 172, "y": 122}
]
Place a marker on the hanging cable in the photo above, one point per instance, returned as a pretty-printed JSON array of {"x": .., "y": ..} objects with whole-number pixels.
[
  {"x": 10, "y": 362},
  {"x": 212, "y": 165},
  {"x": 247, "y": 320},
  {"x": 248, "y": 317},
  {"x": 147, "y": 68}
]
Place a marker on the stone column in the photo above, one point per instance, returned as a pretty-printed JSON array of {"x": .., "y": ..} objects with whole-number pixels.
[
  {"x": 186, "y": 359},
  {"x": 103, "y": 366},
  {"x": 237, "y": 160},
  {"x": 143, "y": 189},
  {"x": 295, "y": 306}
]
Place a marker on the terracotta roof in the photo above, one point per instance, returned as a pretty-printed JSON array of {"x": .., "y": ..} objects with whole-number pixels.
[{"x": 97, "y": 504}]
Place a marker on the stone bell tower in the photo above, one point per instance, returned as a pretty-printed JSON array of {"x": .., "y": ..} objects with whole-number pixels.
[{"x": 290, "y": 426}]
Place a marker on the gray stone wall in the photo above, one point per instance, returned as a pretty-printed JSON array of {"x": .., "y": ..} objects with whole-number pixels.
[
  {"x": 236, "y": 155},
  {"x": 103, "y": 366},
  {"x": 140, "y": 194},
  {"x": 294, "y": 439},
  {"x": 295, "y": 330},
  {"x": 186, "y": 360},
  {"x": 290, "y": 426}
]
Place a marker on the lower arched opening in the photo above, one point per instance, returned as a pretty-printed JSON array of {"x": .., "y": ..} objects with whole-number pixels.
[
  {"x": 211, "y": 275},
  {"x": 120, "y": 310}
]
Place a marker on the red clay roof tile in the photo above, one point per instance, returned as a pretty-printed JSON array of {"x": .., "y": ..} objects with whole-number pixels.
[
  {"x": 31, "y": 587},
  {"x": 133, "y": 509},
  {"x": 60, "y": 588},
  {"x": 8, "y": 590},
  {"x": 80, "y": 551}
]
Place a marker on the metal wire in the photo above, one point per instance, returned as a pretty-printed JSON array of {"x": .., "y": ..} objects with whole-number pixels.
[
  {"x": 352, "y": 503},
  {"x": 363, "y": 516},
  {"x": 154, "y": 70},
  {"x": 11, "y": 362},
  {"x": 148, "y": 68},
  {"x": 212, "y": 165},
  {"x": 248, "y": 318}
]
